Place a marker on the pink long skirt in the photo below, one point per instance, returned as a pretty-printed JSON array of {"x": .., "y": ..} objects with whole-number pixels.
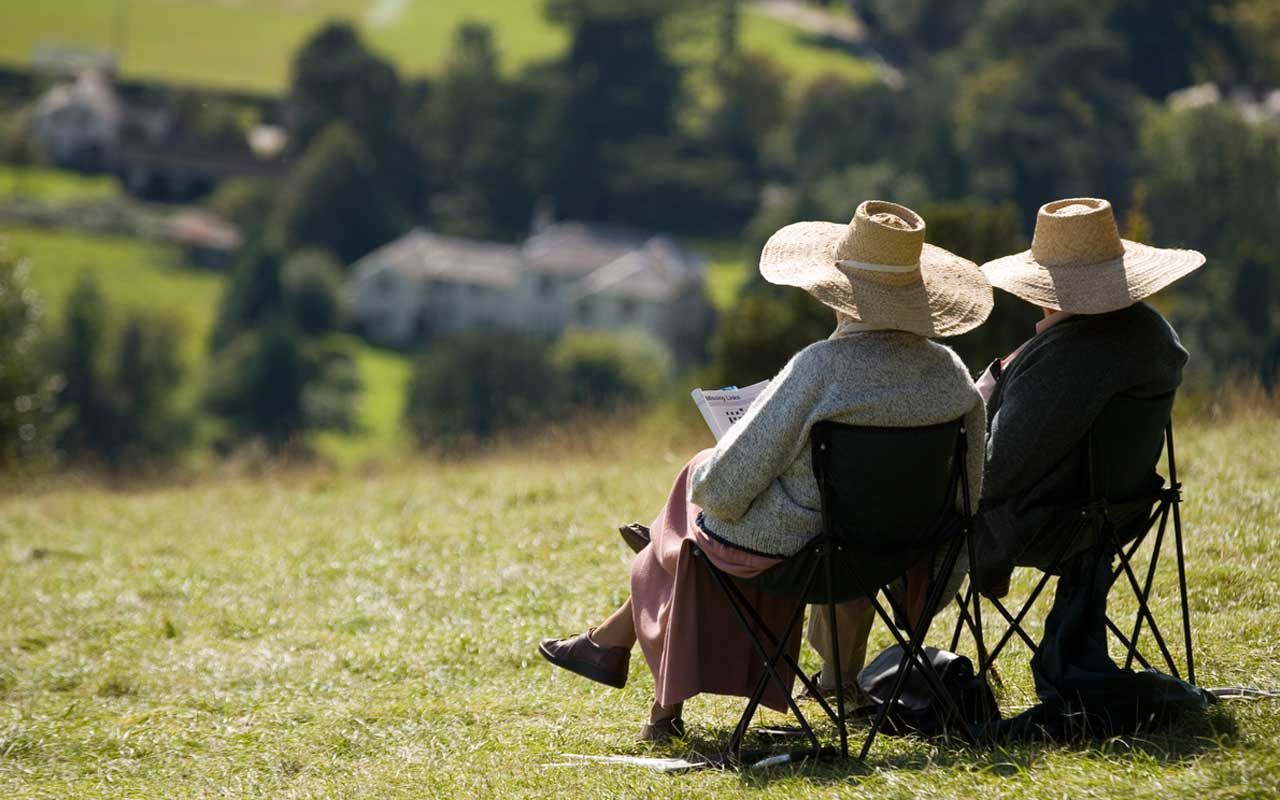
[{"x": 687, "y": 630}]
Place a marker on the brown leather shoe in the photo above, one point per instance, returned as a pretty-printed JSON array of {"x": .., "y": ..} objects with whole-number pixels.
[
  {"x": 580, "y": 655},
  {"x": 635, "y": 535},
  {"x": 662, "y": 731}
]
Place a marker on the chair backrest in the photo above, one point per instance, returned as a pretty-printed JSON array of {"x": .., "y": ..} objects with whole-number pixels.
[
  {"x": 1125, "y": 443},
  {"x": 886, "y": 488}
]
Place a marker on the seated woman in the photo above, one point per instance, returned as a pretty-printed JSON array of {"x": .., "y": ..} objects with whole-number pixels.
[{"x": 753, "y": 500}]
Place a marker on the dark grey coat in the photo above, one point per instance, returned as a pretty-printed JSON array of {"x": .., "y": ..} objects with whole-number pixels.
[{"x": 1043, "y": 406}]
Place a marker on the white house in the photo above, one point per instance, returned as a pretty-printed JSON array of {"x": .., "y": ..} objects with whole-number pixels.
[
  {"x": 570, "y": 274},
  {"x": 79, "y": 124}
]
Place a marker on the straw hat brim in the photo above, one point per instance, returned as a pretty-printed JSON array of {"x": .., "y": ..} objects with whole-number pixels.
[
  {"x": 1094, "y": 288},
  {"x": 949, "y": 296}
]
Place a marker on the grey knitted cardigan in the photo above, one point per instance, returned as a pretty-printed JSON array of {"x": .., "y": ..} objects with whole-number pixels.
[
  {"x": 757, "y": 491},
  {"x": 1043, "y": 406}
]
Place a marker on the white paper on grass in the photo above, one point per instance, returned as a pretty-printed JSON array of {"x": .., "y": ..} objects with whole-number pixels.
[
  {"x": 659, "y": 764},
  {"x": 721, "y": 408}
]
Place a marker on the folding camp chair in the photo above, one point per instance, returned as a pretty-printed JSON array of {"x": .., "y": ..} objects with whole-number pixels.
[
  {"x": 1126, "y": 498},
  {"x": 888, "y": 501}
]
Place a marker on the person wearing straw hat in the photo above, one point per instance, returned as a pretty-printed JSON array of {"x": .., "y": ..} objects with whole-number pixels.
[
  {"x": 752, "y": 500},
  {"x": 1097, "y": 340}
]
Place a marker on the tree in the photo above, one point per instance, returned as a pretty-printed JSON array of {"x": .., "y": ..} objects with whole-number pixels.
[
  {"x": 244, "y": 202},
  {"x": 148, "y": 372},
  {"x": 333, "y": 199},
  {"x": 480, "y": 386},
  {"x": 473, "y": 133},
  {"x": 752, "y": 107},
  {"x": 256, "y": 384},
  {"x": 253, "y": 294},
  {"x": 119, "y": 388},
  {"x": 29, "y": 424},
  {"x": 312, "y": 286},
  {"x": 603, "y": 373},
  {"x": 82, "y": 356},
  {"x": 617, "y": 86},
  {"x": 337, "y": 79}
]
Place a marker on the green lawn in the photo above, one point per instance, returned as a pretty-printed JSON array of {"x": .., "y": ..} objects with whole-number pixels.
[
  {"x": 151, "y": 277},
  {"x": 249, "y": 43},
  {"x": 315, "y": 635},
  {"x": 54, "y": 185}
]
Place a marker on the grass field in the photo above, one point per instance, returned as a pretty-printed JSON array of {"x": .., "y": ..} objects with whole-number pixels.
[
  {"x": 310, "y": 635},
  {"x": 248, "y": 43}
]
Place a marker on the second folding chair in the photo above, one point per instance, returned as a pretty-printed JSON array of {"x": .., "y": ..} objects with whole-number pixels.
[{"x": 1123, "y": 501}]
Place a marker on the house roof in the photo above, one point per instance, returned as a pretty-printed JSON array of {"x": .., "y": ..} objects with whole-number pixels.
[
  {"x": 656, "y": 271},
  {"x": 421, "y": 254},
  {"x": 200, "y": 228},
  {"x": 575, "y": 249}
]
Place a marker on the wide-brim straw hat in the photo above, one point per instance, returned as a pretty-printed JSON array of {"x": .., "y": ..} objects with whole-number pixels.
[
  {"x": 1079, "y": 263},
  {"x": 878, "y": 270}
]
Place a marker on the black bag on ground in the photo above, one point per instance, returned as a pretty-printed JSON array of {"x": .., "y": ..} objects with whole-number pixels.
[{"x": 918, "y": 711}]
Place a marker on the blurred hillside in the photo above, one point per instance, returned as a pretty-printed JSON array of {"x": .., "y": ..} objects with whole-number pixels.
[{"x": 247, "y": 44}]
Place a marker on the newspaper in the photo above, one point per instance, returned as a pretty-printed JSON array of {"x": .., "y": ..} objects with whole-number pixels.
[{"x": 721, "y": 408}]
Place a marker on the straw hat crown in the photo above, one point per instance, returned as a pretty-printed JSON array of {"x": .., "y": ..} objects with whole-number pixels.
[
  {"x": 883, "y": 233},
  {"x": 879, "y": 270},
  {"x": 1076, "y": 232},
  {"x": 1079, "y": 263}
]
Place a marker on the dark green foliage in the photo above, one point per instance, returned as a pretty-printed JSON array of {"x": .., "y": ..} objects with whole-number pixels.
[
  {"x": 244, "y": 202},
  {"x": 334, "y": 199},
  {"x": 312, "y": 286},
  {"x": 119, "y": 388},
  {"x": 256, "y": 384},
  {"x": 253, "y": 293},
  {"x": 603, "y": 372},
  {"x": 619, "y": 87},
  {"x": 28, "y": 389},
  {"x": 1209, "y": 174},
  {"x": 765, "y": 327},
  {"x": 1172, "y": 45},
  {"x": 477, "y": 387},
  {"x": 480, "y": 386},
  {"x": 336, "y": 78},
  {"x": 474, "y": 136},
  {"x": 148, "y": 371},
  {"x": 752, "y": 107},
  {"x": 980, "y": 233},
  {"x": 1065, "y": 125}
]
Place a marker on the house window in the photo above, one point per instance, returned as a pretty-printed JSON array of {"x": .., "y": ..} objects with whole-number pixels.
[
  {"x": 386, "y": 284},
  {"x": 626, "y": 309},
  {"x": 546, "y": 285}
]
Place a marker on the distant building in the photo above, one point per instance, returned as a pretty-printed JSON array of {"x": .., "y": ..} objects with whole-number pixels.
[
  {"x": 571, "y": 274},
  {"x": 206, "y": 240},
  {"x": 79, "y": 124}
]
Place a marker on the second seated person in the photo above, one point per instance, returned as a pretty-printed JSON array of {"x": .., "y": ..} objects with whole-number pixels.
[{"x": 753, "y": 500}]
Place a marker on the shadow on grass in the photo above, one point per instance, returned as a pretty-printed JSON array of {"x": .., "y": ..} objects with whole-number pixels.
[{"x": 1169, "y": 745}]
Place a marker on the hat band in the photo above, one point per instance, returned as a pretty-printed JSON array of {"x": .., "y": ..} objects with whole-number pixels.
[{"x": 869, "y": 267}]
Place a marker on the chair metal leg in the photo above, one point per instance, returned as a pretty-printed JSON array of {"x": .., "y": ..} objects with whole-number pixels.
[
  {"x": 1175, "y": 495},
  {"x": 841, "y": 723},
  {"x": 773, "y": 642},
  {"x": 770, "y": 663},
  {"x": 962, "y": 604},
  {"x": 1146, "y": 590},
  {"x": 914, "y": 656},
  {"x": 1125, "y": 643},
  {"x": 1182, "y": 589},
  {"x": 1015, "y": 624},
  {"x": 1143, "y": 609}
]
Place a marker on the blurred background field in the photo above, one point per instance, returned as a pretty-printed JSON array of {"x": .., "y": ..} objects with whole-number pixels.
[{"x": 246, "y": 44}]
